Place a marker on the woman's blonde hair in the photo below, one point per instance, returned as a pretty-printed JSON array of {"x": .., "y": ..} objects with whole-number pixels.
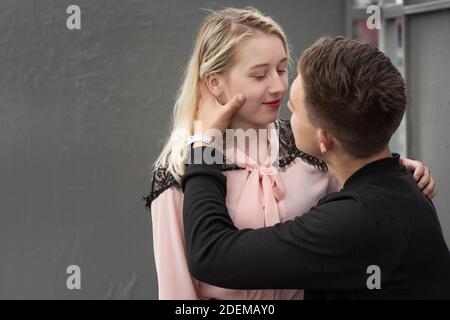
[{"x": 219, "y": 34}]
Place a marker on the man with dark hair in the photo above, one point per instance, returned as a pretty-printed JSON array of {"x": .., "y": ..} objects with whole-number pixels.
[
  {"x": 378, "y": 238},
  {"x": 354, "y": 92}
]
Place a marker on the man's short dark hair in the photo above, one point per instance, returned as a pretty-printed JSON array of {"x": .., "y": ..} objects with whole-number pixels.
[{"x": 354, "y": 91}]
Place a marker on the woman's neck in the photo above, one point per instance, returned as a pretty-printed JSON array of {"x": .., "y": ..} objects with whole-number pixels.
[
  {"x": 245, "y": 125},
  {"x": 254, "y": 140}
]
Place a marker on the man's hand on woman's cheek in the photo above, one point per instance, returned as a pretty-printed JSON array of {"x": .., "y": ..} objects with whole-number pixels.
[{"x": 214, "y": 116}]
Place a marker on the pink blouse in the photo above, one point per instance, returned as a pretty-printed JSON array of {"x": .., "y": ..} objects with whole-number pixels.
[{"x": 257, "y": 196}]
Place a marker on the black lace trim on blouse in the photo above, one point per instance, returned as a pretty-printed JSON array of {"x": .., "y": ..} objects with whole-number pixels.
[
  {"x": 162, "y": 179},
  {"x": 288, "y": 152}
]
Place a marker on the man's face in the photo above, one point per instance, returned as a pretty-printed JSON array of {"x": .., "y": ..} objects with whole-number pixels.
[{"x": 305, "y": 133}]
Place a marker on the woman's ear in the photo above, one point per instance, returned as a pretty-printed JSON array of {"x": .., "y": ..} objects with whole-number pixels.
[{"x": 213, "y": 84}]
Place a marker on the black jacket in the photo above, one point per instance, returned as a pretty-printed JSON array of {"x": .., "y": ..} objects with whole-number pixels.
[{"x": 380, "y": 218}]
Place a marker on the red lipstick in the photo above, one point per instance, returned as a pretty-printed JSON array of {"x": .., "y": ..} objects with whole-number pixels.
[{"x": 273, "y": 104}]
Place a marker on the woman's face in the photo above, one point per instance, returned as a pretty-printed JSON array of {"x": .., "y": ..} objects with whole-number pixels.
[{"x": 260, "y": 72}]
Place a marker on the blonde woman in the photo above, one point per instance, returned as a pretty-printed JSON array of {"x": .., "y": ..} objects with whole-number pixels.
[{"x": 238, "y": 51}]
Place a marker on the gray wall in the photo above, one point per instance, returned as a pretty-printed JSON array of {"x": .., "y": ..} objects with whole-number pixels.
[
  {"x": 82, "y": 117},
  {"x": 428, "y": 122}
]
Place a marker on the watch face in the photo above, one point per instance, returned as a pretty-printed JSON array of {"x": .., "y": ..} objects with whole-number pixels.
[
  {"x": 199, "y": 138},
  {"x": 208, "y": 140}
]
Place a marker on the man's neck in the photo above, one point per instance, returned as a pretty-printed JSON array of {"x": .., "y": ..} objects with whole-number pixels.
[{"x": 342, "y": 166}]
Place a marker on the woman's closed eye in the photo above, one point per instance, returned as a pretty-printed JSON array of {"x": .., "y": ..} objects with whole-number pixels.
[{"x": 261, "y": 77}]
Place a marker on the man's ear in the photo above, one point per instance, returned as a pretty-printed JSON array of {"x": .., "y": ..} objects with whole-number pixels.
[{"x": 325, "y": 140}]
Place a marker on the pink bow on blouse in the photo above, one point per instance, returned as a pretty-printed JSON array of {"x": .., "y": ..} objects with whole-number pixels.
[{"x": 258, "y": 204}]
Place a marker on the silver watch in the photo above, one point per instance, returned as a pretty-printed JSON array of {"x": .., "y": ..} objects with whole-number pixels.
[{"x": 200, "y": 138}]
